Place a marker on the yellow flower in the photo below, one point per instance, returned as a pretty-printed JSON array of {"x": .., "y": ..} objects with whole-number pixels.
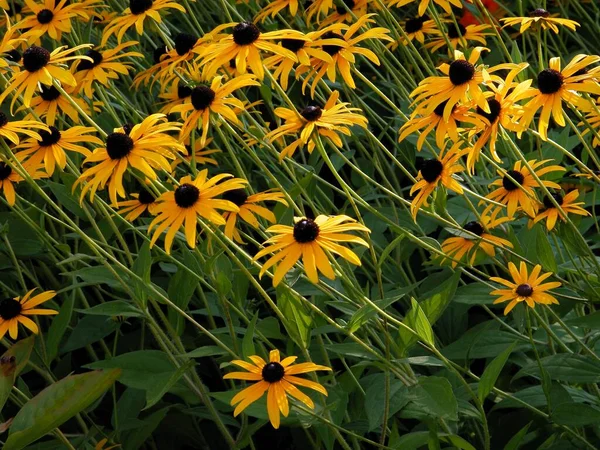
[
  {"x": 540, "y": 17},
  {"x": 142, "y": 201},
  {"x": 275, "y": 7},
  {"x": 525, "y": 288},
  {"x": 9, "y": 129},
  {"x": 193, "y": 198},
  {"x": 568, "y": 205},
  {"x": 445, "y": 4},
  {"x": 358, "y": 8},
  {"x": 460, "y": 37},
  {"x": 16, "y": 310},
  {"x": 416, "y": 28},
  {"x": 308, "y": 239},
  {"x": 201, "y": 155},
  {"x": 333, "y": 118},
  {"x": 8, "y": 177},
  {"x": 277, "y": 378}
]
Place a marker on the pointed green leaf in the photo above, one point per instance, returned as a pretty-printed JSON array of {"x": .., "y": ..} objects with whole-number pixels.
[
  {"x": 492, "y": 371},
  {"x": 297, "y": 320},
  {"x": 141, "y": 267},
  {"x": 516, "y": 440},
  {"x": 114, "y": 308},
  {"x": 248, "y": 341},
  {"x": 12, "y": 362}
]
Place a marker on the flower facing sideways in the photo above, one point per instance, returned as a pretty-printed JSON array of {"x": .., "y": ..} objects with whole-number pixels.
[{"x": 17, "y": 310}]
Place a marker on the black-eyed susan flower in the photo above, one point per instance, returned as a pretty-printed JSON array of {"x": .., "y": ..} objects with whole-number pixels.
[
  {"x": 357, "y": 8},
  {"x": 8, "y": 45},
  {"x": 308, "y": 239},
  {"x": 102, "y": 66},
  {"x": 143, "y": 201},
  {"x": 190, "y": 200},
  {"x": 150, "y": 75},
  {"x": 505, "y": 111},
  {"x": 555, "y": 86},
  {"x": 328, "y": 121},
  {"x": 460, "y": 37},
  {"x": 244, "y": 45},
  {"x": 416, "y": 28},
  {"x": 343, "y": 53},
  {"x": 50, "y": 149},
  {"x": 521, "y": 194},
  {"x": 539, "y": 17},
  {"x": 461, "y": 82},
  {"x": 275, "y": 7},
  {"x": 201, "y": 154},
  {"x": 304, "y": 50},
  {"x": 592, "y": 117},
  {"x": 146, "y": 148},
  {"x": 10, "y": 129},
  {"x": 277, "y": 378},
  {"x": 9, "y": 177},
  {"x": 205, "y": 101},
  {"x": 525, "y": 287},
  {"x": 16, "y": 310},
  {"x": 187, "y": 48},
  {"x": 424, "y": 4},
  {"x": 49, "y": 103},
  {"x": 136, "y": 15},
  {"x": 434, "y": 172},
  {"x": 567, "y": 203},
  {"x": 318, "y": 8},
  {"x": 249, "y": 209},
  {"x": 465, "y": 244},
  {"x": 178, "y": 94},
  {"x": 443, "y": 128},
  {"x": 41, "y": 67}
]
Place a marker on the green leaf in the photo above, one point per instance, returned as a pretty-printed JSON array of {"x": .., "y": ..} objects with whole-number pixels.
[
  {"x": 154, "y": 395},
  {"x": 114, "y": 308},
  {"x": 142, "y": 267},
  {"x": 434, "y": 396},
  {"x": 96, "y": 275},
  {"x": 576, "y": 414},
  {"x": 208, "y": 350},
  {"x": 56, "y": 404},
  {"x": 296, "y": 319},
  {"x": 517, "y": 439},
  {"x": 181, "y": 288},
  {"x": 67, "y": 199},
  {"x": 248, "y": 340},
  {"x": 375, "y": 398},
  {"x": 571, "y": 368},
  {"x": 351, "y": 349},
  {"x": 59, "y": 326},
  {"x": 458, "y": 442},
  {"x": 88, "y": 330},
  {"x": 21, "y": 350},
  {"x": 474, "y": 294},
  {"x": 421, "y": 324},
  {"x": 589, "y": 321},
  {"x": 12, "y": 363},
  {"x": 543, "y": 250},
  {"x": 492, "y": 371}
]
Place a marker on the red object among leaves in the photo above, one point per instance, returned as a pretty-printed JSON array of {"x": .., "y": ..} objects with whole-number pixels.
[{"x": 469, "y": 19}]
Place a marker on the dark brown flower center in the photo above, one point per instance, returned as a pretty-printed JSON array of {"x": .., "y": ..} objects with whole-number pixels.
[
  {"x": 549, "y": 81},
  {"x": 292, "y": 44},
  {"x": 439, "y": 109},
  {"x": 415, "y": 24},
  {"x": 556, "y": 196},
  {"x": 431, "y": 169},
  {"x": 245, "y": 33},
  {"x": 184, "y": 42},
  {"x": 508, "y": 184},
  {"x": 329, "y": 48},
  {"x": 539, "y": 12},
  {"x": 49, "y": 93},
  {"x": 186, "y": 195},
  {"x": 455, "y": 32},
  {"x": 118, "y": 145},
  {"x": 158, "y": 52},
  {"x": 139, "y": 6},
  {"x": 34, "y": 58},
  {"x": 311, "y": 113},
  {"x": 494, "y": 113},
  {"x": 13, "y": 55},
  {"x": 127, "y": 127},
  {"x": 306, "y": 230},
  {"x": 202, "y": 97},
  {"x": 145, "y": 197},
  {"x": 85, "y": 64},
  {"x": 524, "y": 290},
  {"x": 45, "y": 16},
  {"x": 183, "y": 91},
  {"x": 474, "y": 227},
  {"x": 237, "y": 196},
  {"x": 3, "y": 119},
  {"x": 14, "y": 9},
  {"x": 349, "y": 3},
  {"x": 49, "y": 138},
  {"x": 461, "y": 72},
  {"x": 273, "y": 372},
  {"x": 5, "y": 171},
  {"x": 10, "y": 308}
]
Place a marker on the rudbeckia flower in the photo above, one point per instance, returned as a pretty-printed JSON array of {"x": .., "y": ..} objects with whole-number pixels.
[
  {"x": 249, "y": 209},
  {"x": 190, "y": 200},
  {"x": 525, "y": 287},
  {"x": 357, "y": 8},
  {"x": 102, "y": 66},
  {"x": 333, "y": 118},
  {"x": 135, "y": 15},
  {"x": 461, "y": 82},
  {"x": 432, "y": 173},
  {"x": 416, "y": 28},
  {"x": 142, "y": 201},
  {"x": 16, "y": 310},
  {"x": 342, "y": 54},
  {"x": 522, "y": 194},
  {"x": 146, "y": 147},
  {"x": 308, "y": 239},
  {"x": 277, "y": 378},
  {"x": 10, "y": 129},
  {"x": 50, "y": 149},
  {"x": 465, "y": 244},
  {"x": 460, "y": 37},
  {"x": 318, "y": 8},
  {"x": 205, "y": 100},
  {"x": 187, "y": 48},
  {"x": 8, "y": 177},
  {"x": 178, "y": 94},
  {"x": 443, "y": 128},
  {"x": 201, "y": 154},
  {"x": 555, "y": 86},
  {"x": 551, "y": 213},
  {"x": 424, "y": 4},
  {"x": 50, "y": 102},
  {"x": 275, "y": 7},
  {"x": 9, "y": 44},
  {"x": 542, "y": 18},
  {"x": 244, "y": 45}
]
